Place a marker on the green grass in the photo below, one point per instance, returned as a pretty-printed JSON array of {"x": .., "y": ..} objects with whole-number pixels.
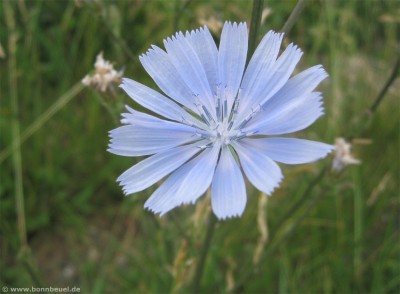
[{"x": 81, "y": 231}]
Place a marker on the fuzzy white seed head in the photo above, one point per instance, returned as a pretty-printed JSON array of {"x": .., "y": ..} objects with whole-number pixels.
[
  {"x": 105, "y": 76},
  {"x": 343, "y": 155}
]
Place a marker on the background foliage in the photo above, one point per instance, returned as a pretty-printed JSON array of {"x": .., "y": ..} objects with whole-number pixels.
[{"x": 337, "y": 234}]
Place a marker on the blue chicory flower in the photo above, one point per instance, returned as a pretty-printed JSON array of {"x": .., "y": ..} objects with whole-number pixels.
[{"x": 217, "y": 116}]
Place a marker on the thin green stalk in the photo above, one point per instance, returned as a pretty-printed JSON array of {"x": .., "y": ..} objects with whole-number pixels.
[
  {"x": 290, "y": 226},
  {"x": 27, "y": 263},
  {"x": 389, "y": 82},
  {"x": 287, "y": 226},
  {"x": 99, "y": 9},
  {"x": 254, "y": 27},
  {"x": 108, "y": 254},
  {"x": 303, "y": 198},
  {"x": 366, "y": 120},
  {"x": 41, "y": 120},
  {"x": 15, "y": 126},
  {"x": 24, "y": 250},
  {"x": 358, "y": 229},
  {"x": 203, "y": 255},
  {"x": 107, "y": 106},
  {"x": 293, "y": 16}
]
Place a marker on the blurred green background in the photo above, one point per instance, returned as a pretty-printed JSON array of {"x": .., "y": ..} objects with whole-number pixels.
[{"x": 338, "y": 233}]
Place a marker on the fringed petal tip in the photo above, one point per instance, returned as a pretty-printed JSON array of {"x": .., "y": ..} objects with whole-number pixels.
[
  {"x": 150, "y": 52},
  {"x": 125, "y": 191},
  {"x": 235, "y": 24},
  {"x": 196, "y": 32},
  {"x": 223, "y": 217},
  {"x": 277, "y": 34},
  {"x": 323, "y": 73},
  {"x": 274, "y": 187},
  {"x": 156, "y": 208},
  {"x": 125, "y": 83},
  {"x": 294, "y": 50},
  {"x": 330, "y": 148},
  {"x": 159, "y": 213}
]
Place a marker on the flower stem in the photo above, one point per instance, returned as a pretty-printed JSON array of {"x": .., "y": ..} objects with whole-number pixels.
[
  {"x": 15, "y": 125},
  {"x": 366, "y": 120},
  {"x": 293, "y": 16},
  {"x": 287, "y": 225},
  {"x": 107, "y": 106},
  {"x": 28, "y": 263},
  {"x": 41, "y": 120},
  {"x": 102, "y": 12},
  {"x": 206, "y": 246},
  {"x": 303, "y": 198},
  {"x": 382, "y": 93},
  {"x": 254, "y": 26},
  {"x": 25, "y": 255}
]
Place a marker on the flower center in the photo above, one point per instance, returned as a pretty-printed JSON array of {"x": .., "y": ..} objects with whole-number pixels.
[
  {"x": 223, "y": 134},
  {"x": 222, "y": 122}
]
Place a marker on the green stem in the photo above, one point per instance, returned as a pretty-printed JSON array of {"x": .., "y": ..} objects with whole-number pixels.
[
  {"x": 24, "y": 250},
  {"x": 99, "y": 9},
  {"x": 287, "y": 225},
  {"x": 303, "y": 198},
  {"x": 290, "y": 226},
  {"x": 254, "y": 27},
  {"x": 358, "y": 229},
  {"x": 293, "y": 16},
  {"x": 41, "y": 120},
  {"x": 15, "y": 125},
  {"x": 27, "y": 263},
  {"x": 366, "y": 120},
  {"x": 206, "y": 246},
  {"x": 107, "y": 106},
  {"x": 389, "y": 82}
]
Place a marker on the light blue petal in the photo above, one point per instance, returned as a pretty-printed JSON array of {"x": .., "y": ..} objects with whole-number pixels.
[
  {"x": 135, "y": 118},
  {"x": 228, "y": 191},
  {"x": 287, "y": 118},
  {"x": 271, "y": 81},
  {"x": 297, "y": 87},
  {"x": 295, "y": 92},
  {"x": 143, "y": 119},
  {"x": 261, "y": 171},
  {"x": 188, "y": 65},
  {"x": 203, "y": 44},
  {"x": 291, "y": 150},
  {"x": 186, "y": 184},
  {"x": 141, "y": 140},
  {"x": 232, "y": 59},
  {"x": 164, "y": 198},
  {"x": 260, "y": 68},
  {"x": 198, "y": 178},
  {"x": 154, "y": 168},
  {"x": 159, "y": 66},
  {"x": 156, "y": 102}
]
